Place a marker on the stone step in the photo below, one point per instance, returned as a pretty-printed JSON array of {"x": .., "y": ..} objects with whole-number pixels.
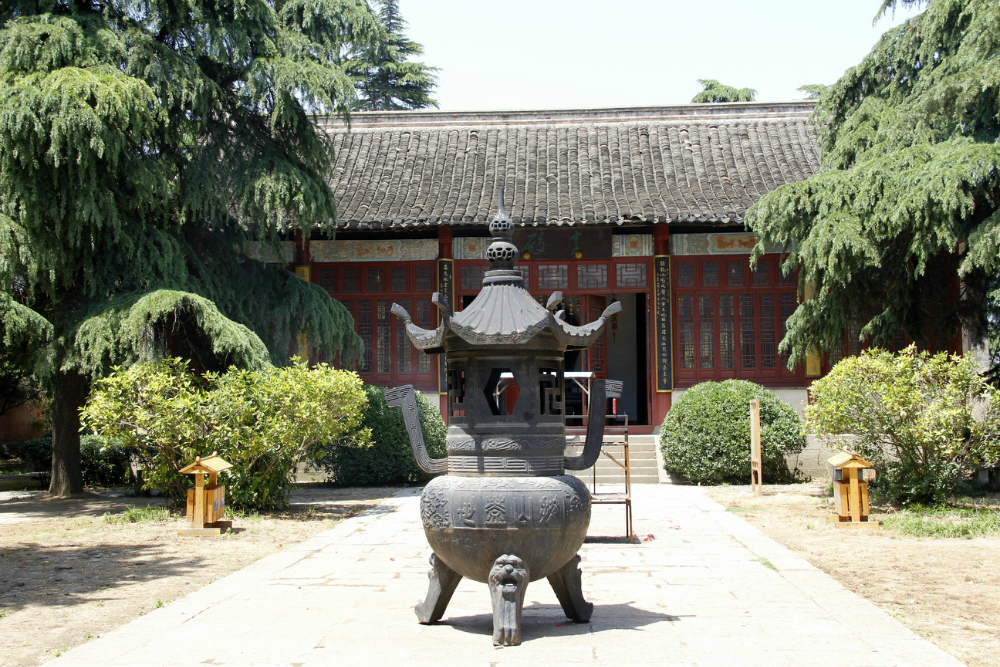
[{"x": 618, "y": 453}]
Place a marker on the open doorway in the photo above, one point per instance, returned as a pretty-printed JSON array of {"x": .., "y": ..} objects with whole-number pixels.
[
  {"x": 620, "y": 354},
  {"x": 626, "y": 337}
]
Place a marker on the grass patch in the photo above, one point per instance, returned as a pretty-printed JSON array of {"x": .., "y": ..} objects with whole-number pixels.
[
  {"x": 943, "y": 521},
  {"x": 766, "y": 563},
  {"x": 738, "y": 509},
  {"x": 133, "y": 514},
  {"x": 244, "y": 515}
]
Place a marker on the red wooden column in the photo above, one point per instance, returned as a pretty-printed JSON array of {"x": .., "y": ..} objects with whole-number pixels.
[
  {"x": 446, "y": 286},
  {"x": 303, "y": 269},
  {"x": 662, "y": 323}
]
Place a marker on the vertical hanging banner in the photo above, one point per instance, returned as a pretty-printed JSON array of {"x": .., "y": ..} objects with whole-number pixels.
[
  {"x": 661, "y": 322},
  {"x": 446, "y": 287}
]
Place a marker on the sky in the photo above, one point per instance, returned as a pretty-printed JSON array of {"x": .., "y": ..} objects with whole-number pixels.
[{"x": 565, "y": 54}]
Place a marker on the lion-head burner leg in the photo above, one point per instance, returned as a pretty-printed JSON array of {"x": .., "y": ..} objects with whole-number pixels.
[
  {"x": 508, "y": 583},
  {"x": 443, "y": 581},
  {"x": 566, "y": 583}
]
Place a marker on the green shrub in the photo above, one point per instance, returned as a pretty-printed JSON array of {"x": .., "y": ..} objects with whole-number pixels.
[
  {"x": 706, "y": 433},
  {"x": 103, "y": 462},
  {"x": 262, "y": 422},
  {"x": 926, "y": 421},
  {"x": 36, "y": 454},
  {"x": 389, "y": 459}
]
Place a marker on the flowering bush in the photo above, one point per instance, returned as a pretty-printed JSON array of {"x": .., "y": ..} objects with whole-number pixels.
[
  {"x": 263, "y": 422},
  {"x": 926, "y": 421}
]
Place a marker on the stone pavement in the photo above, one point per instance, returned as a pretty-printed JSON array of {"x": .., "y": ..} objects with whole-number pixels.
[{"x": 698, "y": 594}]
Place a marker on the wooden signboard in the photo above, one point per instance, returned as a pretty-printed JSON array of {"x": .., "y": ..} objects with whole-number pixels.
[
  {"x": 590, "y": 242},
  {"x": 661, "y": 323},
  {"x": 446, "y": 288}
]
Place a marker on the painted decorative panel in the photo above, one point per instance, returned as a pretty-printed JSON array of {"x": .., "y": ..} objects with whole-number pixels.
[
  {"x": 390, "y": 250},
  {"x": 716, "y": 244},
  {"x": 563, "y": 242},
  {"x": 632, "y": 245},
  {"x": 470, "y": 247},
  {"x": 265, "y": 252}
]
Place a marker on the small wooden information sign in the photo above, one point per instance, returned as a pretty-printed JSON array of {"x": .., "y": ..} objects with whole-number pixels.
[
  {"x": 851, "y": 474},
  {"x": 206, "y": 505}
]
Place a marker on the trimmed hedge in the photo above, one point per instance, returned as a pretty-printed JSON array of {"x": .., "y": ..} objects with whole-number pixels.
[
  {"x": 706, "y": 433},
  {"x": 389, "y": 459}
]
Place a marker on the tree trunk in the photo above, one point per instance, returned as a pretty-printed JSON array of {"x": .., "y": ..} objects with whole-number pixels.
[{"x": 68, "y": 395}]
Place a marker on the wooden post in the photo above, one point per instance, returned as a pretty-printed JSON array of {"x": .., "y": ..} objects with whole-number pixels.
[
  {"x": 756, "y": 479},
  {"x": 855, "y": 502},
  {"x": 199, "y": 501}
]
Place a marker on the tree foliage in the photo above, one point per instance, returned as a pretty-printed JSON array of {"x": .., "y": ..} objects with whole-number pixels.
[
  {"x": 385, "y": 80},
  {"x": 142, "y": 143},
  {"x": 263, "y": 422},
  {"x": 927, "y": 421},
  {"x": 813, "y": 90},
  {"x": 717, "y": 92},
  {"x": 901, "y": 229}
]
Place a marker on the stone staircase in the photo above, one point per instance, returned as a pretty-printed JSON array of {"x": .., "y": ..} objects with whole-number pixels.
[{"x": 642, "y": 460}]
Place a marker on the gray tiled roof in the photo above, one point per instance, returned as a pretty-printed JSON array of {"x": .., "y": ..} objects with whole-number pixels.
[{"x": 695, "y": 163}]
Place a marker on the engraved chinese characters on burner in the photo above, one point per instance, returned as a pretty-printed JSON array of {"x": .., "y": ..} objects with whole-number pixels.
[
  {"x": 547, "y": 509},
  {"x": 467, "y": 512},
  {"x": 522, "y": 510},
  {"x": 495, "y": 511},
  {"x": 431, "y": 505}
]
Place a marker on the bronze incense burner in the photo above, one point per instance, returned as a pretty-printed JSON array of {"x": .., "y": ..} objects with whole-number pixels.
[{"x": 505, "y": 513}]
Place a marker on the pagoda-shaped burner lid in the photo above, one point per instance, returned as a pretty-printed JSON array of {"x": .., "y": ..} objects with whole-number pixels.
[{"x": 504, "y": 312}]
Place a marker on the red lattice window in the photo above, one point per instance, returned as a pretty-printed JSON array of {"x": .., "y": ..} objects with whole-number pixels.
[
  {"x": 730, "y": 320},
  {"x": 542, "y": 277},
  {"x": 368, "y": 291}
]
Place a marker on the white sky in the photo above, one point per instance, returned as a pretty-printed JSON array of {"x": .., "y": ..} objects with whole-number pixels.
[{"x": 558, "y": 54}]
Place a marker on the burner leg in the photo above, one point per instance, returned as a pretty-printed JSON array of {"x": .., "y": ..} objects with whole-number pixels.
[
  {"x": 566, "y": 583},
  {"x": 442, "y": 586},
  {"x": 508, "y": 582}
]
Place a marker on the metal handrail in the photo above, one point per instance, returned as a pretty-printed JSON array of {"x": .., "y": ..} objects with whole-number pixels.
[{"x": 612, "y": 498}]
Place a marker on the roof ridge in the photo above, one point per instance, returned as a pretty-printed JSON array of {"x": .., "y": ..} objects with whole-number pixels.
[{"x": 679, "y": 112}]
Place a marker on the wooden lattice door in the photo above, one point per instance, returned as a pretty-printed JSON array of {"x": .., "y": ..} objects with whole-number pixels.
[{"x": 597, "y": 355}]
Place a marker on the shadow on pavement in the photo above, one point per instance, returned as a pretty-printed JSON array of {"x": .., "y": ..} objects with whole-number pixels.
[
  {"x": 87, "y": 504},
  {"x": 61, "y": 576},
  {"x": 547, "y": 620}
]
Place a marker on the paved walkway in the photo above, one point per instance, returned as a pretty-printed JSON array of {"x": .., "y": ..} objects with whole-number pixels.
[{"x": 698, "y": 594}]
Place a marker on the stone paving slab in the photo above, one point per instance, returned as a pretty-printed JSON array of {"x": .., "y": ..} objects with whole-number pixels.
[{"x": 697, "y": 595}]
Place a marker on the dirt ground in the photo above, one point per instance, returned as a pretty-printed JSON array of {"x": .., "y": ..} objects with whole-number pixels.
[
  {"x": 946, "y": 590},
  {"x": 68, "y": 576}
]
